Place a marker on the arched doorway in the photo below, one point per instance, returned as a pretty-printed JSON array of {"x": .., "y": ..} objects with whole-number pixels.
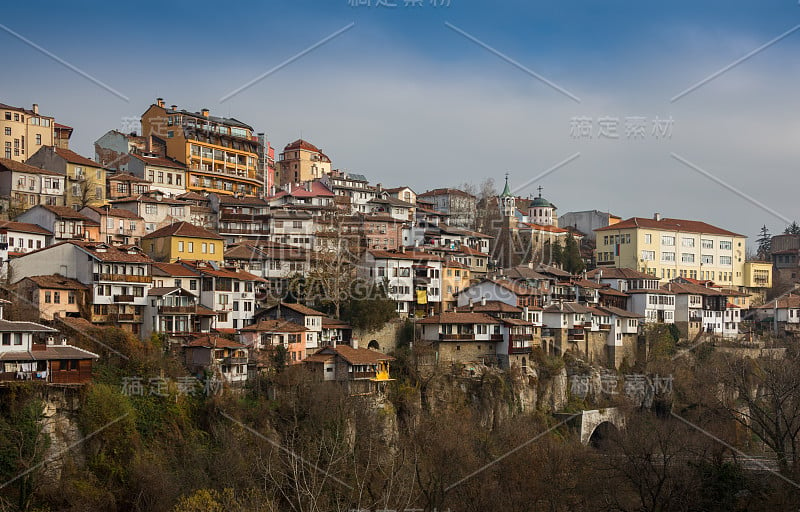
[{"x": 374, "y": 345}]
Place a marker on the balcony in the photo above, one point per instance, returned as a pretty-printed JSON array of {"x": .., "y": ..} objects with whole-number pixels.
[
  {"x": 125, "y": 278},
  {"x": 234, "y": 360},
  {"x": 496, "y": 337},
  {"x": 126, "y": 317},
  {"x": 520, "y": 349},
  {"x": 456, "y": 337},
  {"x": 575, "y": 335},
  {"x": 123, "y": 298},
  {"x": 363, "y": 375},
  {"x": 243, "y": 231},
  {"x": 166, "y": 310}
]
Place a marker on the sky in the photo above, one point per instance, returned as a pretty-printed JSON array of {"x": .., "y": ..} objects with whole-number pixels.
[{"x": 635, "y": 108}]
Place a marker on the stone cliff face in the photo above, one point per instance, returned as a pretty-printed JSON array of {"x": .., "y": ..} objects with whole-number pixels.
[{"x": 494, "y": 395}]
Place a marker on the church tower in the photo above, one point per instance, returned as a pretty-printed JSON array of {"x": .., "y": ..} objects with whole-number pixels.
[{"x": 507, "y": 202}]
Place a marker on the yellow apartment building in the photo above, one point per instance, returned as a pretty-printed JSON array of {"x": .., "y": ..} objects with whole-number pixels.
[
  {"x": 86, "y": 179},
  {"x": 221, "y": 153},
  {"x": 183, "y": 241},
  {"x": 670, "y": 248},
  {"x": 23, "y": 132}
]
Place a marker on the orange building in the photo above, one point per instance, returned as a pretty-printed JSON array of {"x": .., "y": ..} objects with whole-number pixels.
[{"x": 221, "y": 153}]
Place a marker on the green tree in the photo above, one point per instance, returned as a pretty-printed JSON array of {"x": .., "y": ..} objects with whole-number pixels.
[
  {"x": 764, "y": 242},
  {"x": 369, "y": 306},
  {"x": 572, "y": 260},
  {"x": 22, "y": 448},
  {"x": 792, "y": 229}
]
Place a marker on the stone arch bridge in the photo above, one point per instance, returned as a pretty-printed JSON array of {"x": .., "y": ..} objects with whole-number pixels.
[{"x": 593, "y": 425}]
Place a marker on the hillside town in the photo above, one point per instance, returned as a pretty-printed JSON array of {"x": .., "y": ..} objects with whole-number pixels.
[
  {"x": 217, "y": 327},
  {"x": 192, "y": 230}
]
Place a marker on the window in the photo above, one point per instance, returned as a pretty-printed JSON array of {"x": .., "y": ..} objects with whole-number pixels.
[
  {"x": 151, "y": 209},
  {"x": 71, "y": 298},
  {"x": 180, "y": 246},
  {"x": 297, "y": 224},
  {"x": 193, "y": 284},
  {"x": 648, "y": 255},
  {"x": 725, "y": 245},
  {"x": 707, "y": 243},
  {"x": 47, "y": 298},
  {"x": 8, "y": 130},
  {"x": 667, "y": 256},
  {"x": 211, "y": 248},
  {"x": 204, "y": 248},
  {"x": 648, "y": 238},
  {"x": 725, "y": 260},
  {"x": 191, "y": 246},
  {"x": 161, "y": 176},
  {"x": 687, "y": 242},
  {"x": 707, "y": 259},
  {"x": 56, "y": 297},
  {"x": 687, "y": 257},
  {"x": 667, "y": 240},
  {"x": 38, "y": 139}
]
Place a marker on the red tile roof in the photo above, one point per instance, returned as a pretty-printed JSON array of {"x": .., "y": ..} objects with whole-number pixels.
[
  {"x": 183, "y": 229},
  {"x": 15, "y": 166},
  {"x": 211, "y": 341},
  {"x": 74, "y": 158},
  {"x": 174, "y": 270},
  {"x": 686, "y": 226},
  {"x": 159, "y": 161},
  {"x": 57, "y": 282},
  {"x": 23, "y": 227}
]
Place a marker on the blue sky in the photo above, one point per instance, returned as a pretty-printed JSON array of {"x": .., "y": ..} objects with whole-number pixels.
[{"x": 404, "y": 99}]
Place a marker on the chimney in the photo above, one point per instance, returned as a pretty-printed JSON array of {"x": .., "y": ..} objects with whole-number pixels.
[
  {"x": 471, "y": 304},
  {"x": 160, "y": 102},
  {"x": 483, "y": 300},
  {"x": 173, "y": 107},
  {"x": 530, "y": 264},
  {"x": 204, "y": 112},
  {"x": 525, "y": 313},
  {"x": 36, "y": 108},
  {"x": 657, "y": 217}
]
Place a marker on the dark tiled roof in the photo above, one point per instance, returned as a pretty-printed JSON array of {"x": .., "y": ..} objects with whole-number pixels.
[
  {"x": 459, "y": 318},
  {"x": 74, "y": 158},
  {"x": 57, "y": 282},
  {"x": 274, "y": 326}
]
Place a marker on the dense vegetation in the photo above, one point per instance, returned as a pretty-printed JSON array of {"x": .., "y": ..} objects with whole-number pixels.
[{"x": 288, "y": 443}]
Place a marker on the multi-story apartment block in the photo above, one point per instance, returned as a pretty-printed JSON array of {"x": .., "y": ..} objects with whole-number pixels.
[
  {"x": 164, "y": 174},
  {"x": 18, "y": 238},
  {"x": 175, "y": 275},
  {"x": 275, "y": 262},
  {"x": 23, "y": 186},
  {"x": 352, "y": 191},
  {"x": 156, "y": 209},
  {"x": 221, "y": 154},
  {"x": 117, "y": 226},
  {"x": 63, "y": 222},
  {"x": 459, "y": 205},
  {"x": 228, "y": 291},
  {"x": 701, "y": 308},
  {"x": 23, "y": 131},
  {"x": 302, "y": 161},
  {"x": 123, "y": 184},
  {"x": 413, "y": 278},
  {"x": 240, "y": 217},
  {"x": 175, "y": 312},
  {"x": 670, "y": 248},
  {"x": 118, "y": 277},
  {"x": 86, "y": 179},
  {"x": 311, "y": 196},
  {"x": 302, "y": 315}
]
